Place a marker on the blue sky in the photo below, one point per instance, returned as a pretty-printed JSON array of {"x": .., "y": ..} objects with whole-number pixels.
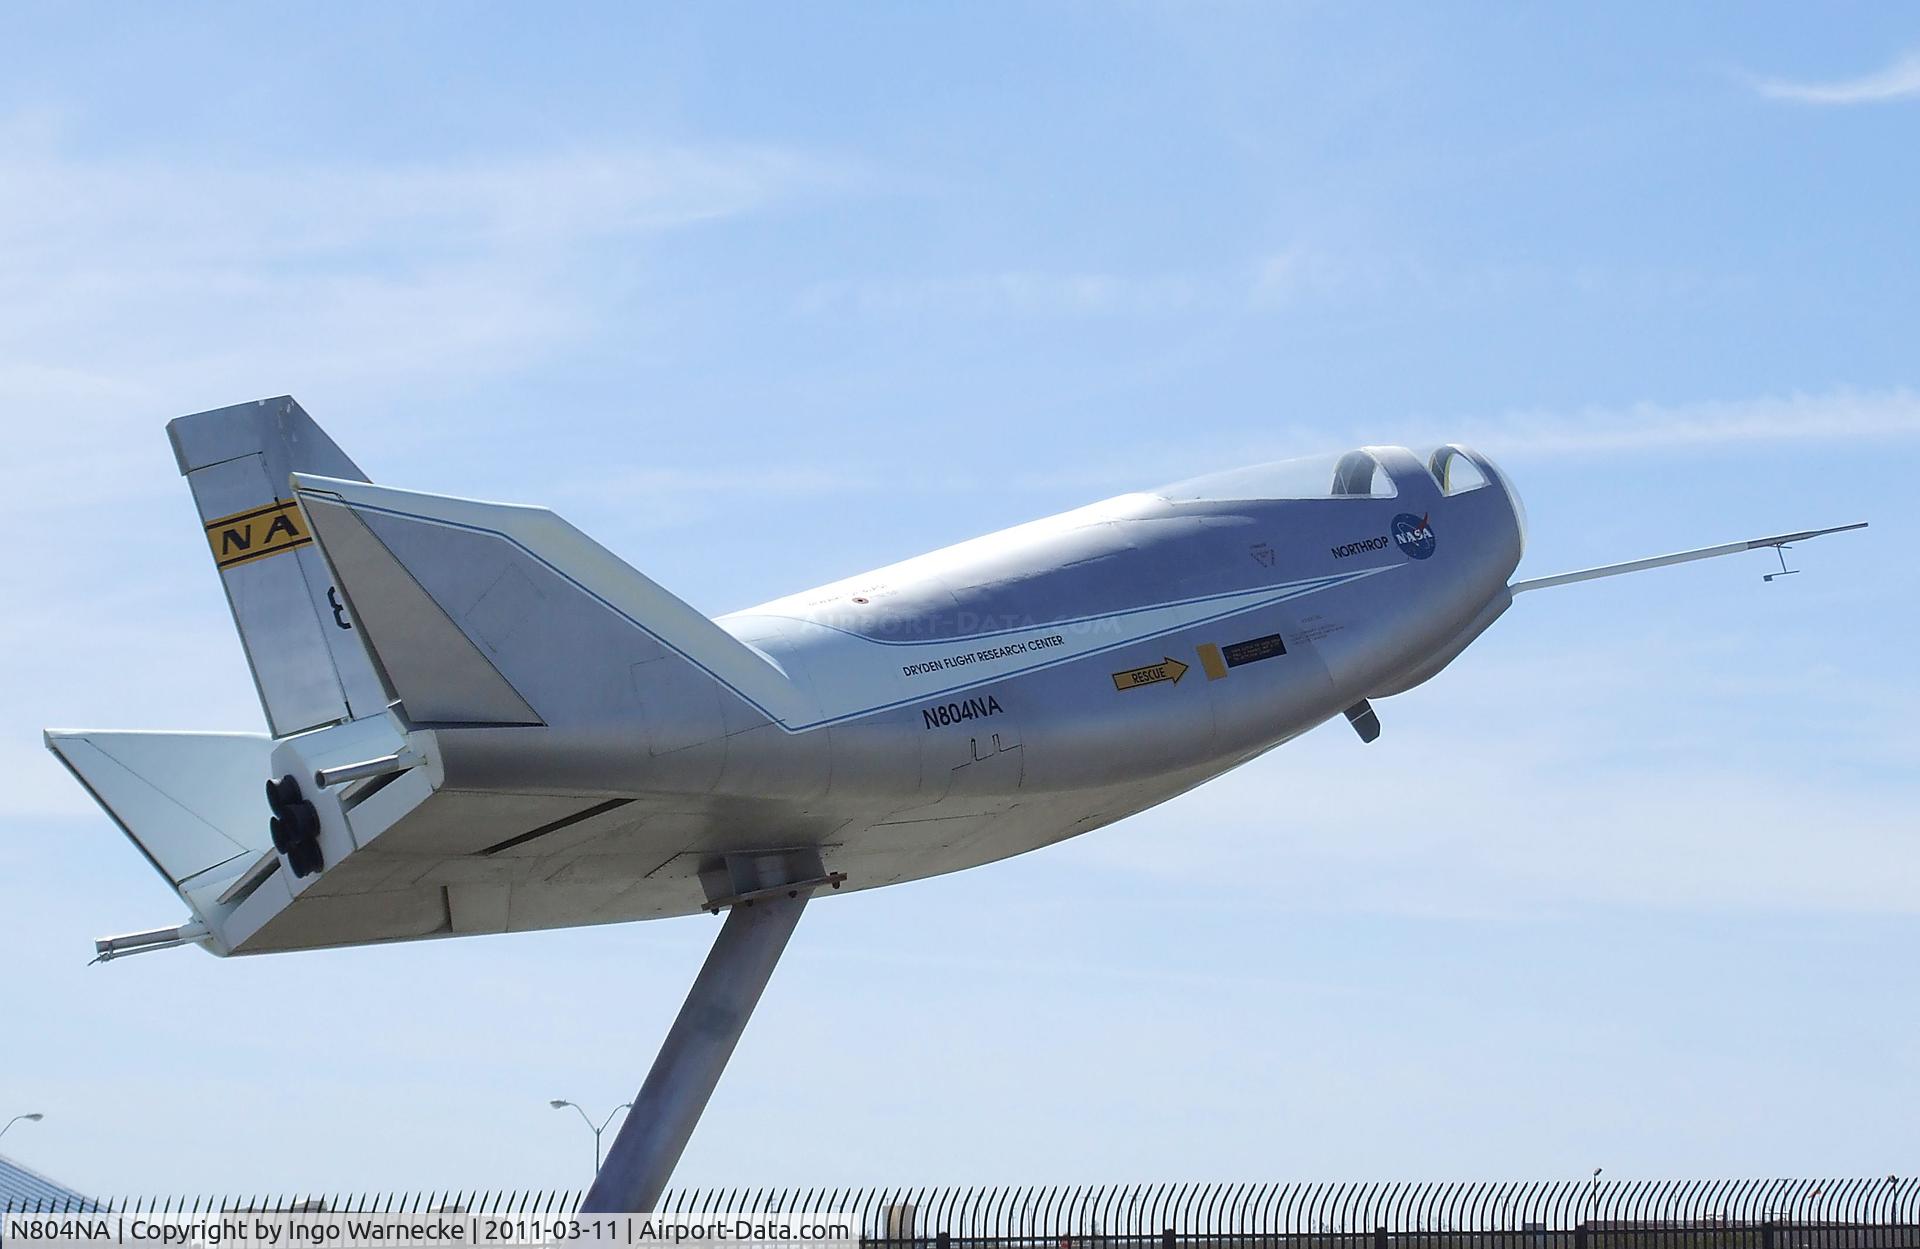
[{"x": 763, "y": 296}]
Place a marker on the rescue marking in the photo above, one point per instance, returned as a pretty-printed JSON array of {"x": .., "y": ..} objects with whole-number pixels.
[
  {"x": 1168, "y": 669},
  {"x": 1253, "y": 650},
  {"x": 942, "y": 714},
  {"x": 1210, "y": 660},
  {"x": 256, "y": 534}
]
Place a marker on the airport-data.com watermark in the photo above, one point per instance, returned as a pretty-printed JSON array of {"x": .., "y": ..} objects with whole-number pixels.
[{"x": 239, "y": 1229}]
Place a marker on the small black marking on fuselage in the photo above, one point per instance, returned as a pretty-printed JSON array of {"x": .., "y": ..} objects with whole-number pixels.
[{"x": 1253, "y": 650}]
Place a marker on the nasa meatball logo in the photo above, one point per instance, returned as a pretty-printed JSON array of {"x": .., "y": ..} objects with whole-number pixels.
[{"x": 1413, "y": 535}]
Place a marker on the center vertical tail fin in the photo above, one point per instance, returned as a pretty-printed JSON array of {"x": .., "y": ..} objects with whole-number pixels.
[{"x": 308, "y": 661}]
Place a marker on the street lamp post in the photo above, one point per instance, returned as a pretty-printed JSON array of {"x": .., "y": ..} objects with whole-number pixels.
[
  {"x": 559, "y": 1104},
  {"x": 35, "y": 1117},
  {"x": 1593, "y": 1200}
]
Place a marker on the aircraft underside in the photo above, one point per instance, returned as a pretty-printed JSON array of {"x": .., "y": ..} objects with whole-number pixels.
[
  {"x": 415, "y": 861},
  {"x": 458, "y": 864}
]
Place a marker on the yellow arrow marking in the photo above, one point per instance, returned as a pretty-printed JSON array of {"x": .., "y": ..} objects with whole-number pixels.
[{"x": 1168, "y": 669}]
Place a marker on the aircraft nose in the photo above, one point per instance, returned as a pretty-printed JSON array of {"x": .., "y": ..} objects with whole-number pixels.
[{"x": 1514, "y": 502}]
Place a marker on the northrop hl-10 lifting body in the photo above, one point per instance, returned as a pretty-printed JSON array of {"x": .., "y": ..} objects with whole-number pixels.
[{"x": 482, "y": 721}]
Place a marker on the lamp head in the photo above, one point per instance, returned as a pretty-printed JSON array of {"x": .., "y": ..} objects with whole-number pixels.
[
  {"x": 559, "y": 1105},
  {"x": 35, "y": 1117}
]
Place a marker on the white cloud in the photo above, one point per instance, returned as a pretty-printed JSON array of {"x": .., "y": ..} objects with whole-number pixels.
[
  {"x": 136, "y": 288},
  {"x": 1833, "y": 417},
  {"x": 672, "y": 495},
  {"x": 1018, "y": 292},
  {"x": 666, "y": 496},
  {"x": 1898, "y": 81},
  {"x": 1837, "y": 415},
  {"x": 164, "y": 214},
  {"x": 1300, "y": 273}
]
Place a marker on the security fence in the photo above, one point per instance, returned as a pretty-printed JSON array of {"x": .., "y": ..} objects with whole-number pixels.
[{"x": 1880, "y": 1213}]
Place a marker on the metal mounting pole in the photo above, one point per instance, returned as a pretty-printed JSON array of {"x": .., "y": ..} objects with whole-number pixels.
[{"x": 695, "y": 1053}]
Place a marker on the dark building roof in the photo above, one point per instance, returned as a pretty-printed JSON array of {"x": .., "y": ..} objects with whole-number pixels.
[{"x": 24, "y": 1189}]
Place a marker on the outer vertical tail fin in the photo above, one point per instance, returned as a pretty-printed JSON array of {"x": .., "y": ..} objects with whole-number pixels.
[
  {"x": 307, "y": 659},
  {"x": 190, "y": 801}
]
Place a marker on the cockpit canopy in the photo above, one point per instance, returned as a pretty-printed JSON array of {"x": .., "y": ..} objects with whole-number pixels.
[{"x": 1354, "y": 474}]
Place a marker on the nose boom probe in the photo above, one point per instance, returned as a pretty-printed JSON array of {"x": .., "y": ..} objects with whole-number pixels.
[{"x": 1778, "y": 542}]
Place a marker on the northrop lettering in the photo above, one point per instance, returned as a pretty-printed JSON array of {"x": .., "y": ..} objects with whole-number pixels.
[{"x": 1357, "y": 548}]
